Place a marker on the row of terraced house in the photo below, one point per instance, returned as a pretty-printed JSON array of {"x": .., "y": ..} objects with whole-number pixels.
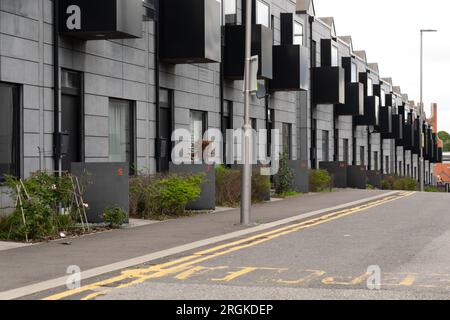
[{"x": 108, "y": 81}]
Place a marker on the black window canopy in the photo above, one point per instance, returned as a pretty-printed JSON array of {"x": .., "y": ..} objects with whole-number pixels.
[
  {"x": 234, "y": 51},
  {"x": 329, "y": 85},
  {"x": 190, "y": 31},
  {"x": 101, "y": 19}
]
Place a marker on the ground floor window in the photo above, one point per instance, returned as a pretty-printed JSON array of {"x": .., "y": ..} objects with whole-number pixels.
[
  {"x": 375, "y": 156},
  {"x": 287, "y": 139},
  {"x": 387, "y": 165},
  {"x": 362, "y": 158},
  {"x": 9, "y": 130},
  {"x": 121, "y": 131},
  {"x": 198, "y": 127},
  {"x": 325, "y": 145},
  {"x": 346, "y": 151}
]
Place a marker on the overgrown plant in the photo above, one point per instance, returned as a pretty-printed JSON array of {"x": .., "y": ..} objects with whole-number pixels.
[
  {"x": 284, "y": 181},
  {"x": 162, "y": 196},
  {"x": 115, "y": 216},
  {"x": 319, "y": 181},
  {"x": 228, "y": 187},
  {"x": 36, "y": 215}
]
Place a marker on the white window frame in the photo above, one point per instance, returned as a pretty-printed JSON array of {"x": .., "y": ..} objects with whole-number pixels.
[
  {"x": 369, "y": 87},
  {"x": 297, "y": 37},
  {"x": 354, "y": 72},
  {"x": 334, "y": 56},
  {"x": 260, "y": 4}
]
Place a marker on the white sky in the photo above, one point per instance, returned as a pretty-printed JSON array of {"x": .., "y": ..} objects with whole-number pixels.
[{"x": 389, "y": 32}]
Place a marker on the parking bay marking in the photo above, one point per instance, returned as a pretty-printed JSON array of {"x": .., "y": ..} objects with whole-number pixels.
[{"x": 140, "y": 275}]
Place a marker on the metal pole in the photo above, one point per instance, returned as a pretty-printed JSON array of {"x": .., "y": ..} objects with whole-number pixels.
[
  {"x": 247, "y": 169},
  {"x": 421, "y": 160},
  {"x": 421, "y": 114}
]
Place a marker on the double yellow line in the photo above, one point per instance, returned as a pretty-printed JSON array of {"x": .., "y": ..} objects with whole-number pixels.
[{"x": 135, "y": 276}]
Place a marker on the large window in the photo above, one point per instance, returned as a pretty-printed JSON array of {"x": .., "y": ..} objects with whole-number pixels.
[
  {"x": 287, "y": 139},
  {"x": 121, "y": 131},
  {"x": 362, "y": 156},
  {"x": 383, "y": 98},
  {"x": 325, "y": 145},
  {"x": 262, "y": 13},
  {"x": 298, "y": 33},
  {"x": 9, "y": 130},
  {"x": 375, "y": 158},
  {"x": 198, "y": 128},
  {"x": 369, "y": 87},
  {"x": 346, "y": 151},
  {"x": 229, "y": 7},
  {"x": 334, "y": 56},
  {"x": 354, "y": 72}
]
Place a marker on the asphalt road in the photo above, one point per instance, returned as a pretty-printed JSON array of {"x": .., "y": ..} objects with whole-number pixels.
[{"x": 395, "y": 248}]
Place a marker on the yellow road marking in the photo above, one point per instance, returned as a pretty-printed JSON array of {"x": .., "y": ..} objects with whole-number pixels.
[
  {"x": 354, "y": 281},
  {"x": 313, "y": 274},
  {"x": 236, "y": 274},
  {"x": 197, "y": 270},
  {"x": 140, "y": 275},
  {"x": 408, "y": 281}
]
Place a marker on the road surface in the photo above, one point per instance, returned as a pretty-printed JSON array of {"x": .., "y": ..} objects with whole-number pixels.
[{"x": 394, "y": 248}]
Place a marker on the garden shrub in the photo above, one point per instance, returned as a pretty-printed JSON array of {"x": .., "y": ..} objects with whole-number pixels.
[
  {"x": 407, "y": 184},
  {"x": 388, "y": 183},
  {"x": 284, "y": 180},
  {"x": 115, "y": 216},
  {"x": 319, "y": 180},
  {"x": 228, "y": 187},
  {"x": 40, "y": 210},
  {"x": 169, "y": 195},
  {"x": 431, "y": 189}
]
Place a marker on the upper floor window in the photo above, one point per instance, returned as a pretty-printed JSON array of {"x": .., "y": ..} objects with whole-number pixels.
[
  {"x": 369, "y": 87},
  {"x": 334, "y": 56},
  {"x": 354, "y": 72},
  {"x": 383, "y": 98},
  {"x": 229, "y": 7},
  {"x": 262, "y": 13},
  {"x": 9, "y": 130},
  {"x": 298, "y": 33}
]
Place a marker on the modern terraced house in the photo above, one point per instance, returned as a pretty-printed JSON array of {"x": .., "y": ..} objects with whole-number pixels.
[{"x": 108, "y": 81}]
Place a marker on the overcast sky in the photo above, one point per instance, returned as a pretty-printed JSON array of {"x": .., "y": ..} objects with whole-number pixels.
[{"x": 389, "y": 32}]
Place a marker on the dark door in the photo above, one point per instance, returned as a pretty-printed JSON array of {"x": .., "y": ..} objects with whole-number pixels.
[
  {"x": 165, "y": 138},
  {"x": 70, "y": 123}
]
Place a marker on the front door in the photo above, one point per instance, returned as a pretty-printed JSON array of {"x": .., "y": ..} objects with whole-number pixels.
[{"x": 70, "y": 124}]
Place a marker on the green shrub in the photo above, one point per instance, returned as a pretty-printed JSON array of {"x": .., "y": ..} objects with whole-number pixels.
[
  {"x": 40, "y": 218},
  {"x": 168, "y": 196},
  {"x": 115, "y": 216},
  {"x": 431, "y": 189},
  {"x": 407, "y": 184},
  {"x": 388, "y": 183},
  {"x": 284, "y": 180},
  {"x": 319, "y": 181},
  {"x": 228, "y": 187}
]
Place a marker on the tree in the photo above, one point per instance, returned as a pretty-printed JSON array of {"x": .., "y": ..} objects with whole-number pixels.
[{"x": 445, "y": 137}]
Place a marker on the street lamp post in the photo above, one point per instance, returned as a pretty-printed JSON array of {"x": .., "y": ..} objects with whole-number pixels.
[
  {"x": 246, "y": 185},
  {"x": 421, "y": 161}
]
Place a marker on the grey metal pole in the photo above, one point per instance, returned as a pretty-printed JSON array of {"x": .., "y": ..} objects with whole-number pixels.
[
  {"x": 421, "y": 162},
  {"x": 246, "y": 185}
]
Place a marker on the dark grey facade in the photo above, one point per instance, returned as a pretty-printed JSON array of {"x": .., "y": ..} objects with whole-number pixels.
[{"x": 142, "y": 79}]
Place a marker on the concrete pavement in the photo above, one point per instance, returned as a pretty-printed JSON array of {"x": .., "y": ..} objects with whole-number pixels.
[{"x": 30, "y": 265}]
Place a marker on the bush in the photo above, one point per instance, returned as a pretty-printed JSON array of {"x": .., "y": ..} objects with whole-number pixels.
[
  {"x": 40, "y": 218},
  {"x": 284, "y": 181},
  {"x": 169, "y": 195},
  {"x": 319, "y": 180},
  {"x": 431, "y": 189},
  {"x": 407, "y": 184},
  {"x": 388, "y": 183},
  {"x": 228, "y": 187},
  {"x": 114, "y": 216}
]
